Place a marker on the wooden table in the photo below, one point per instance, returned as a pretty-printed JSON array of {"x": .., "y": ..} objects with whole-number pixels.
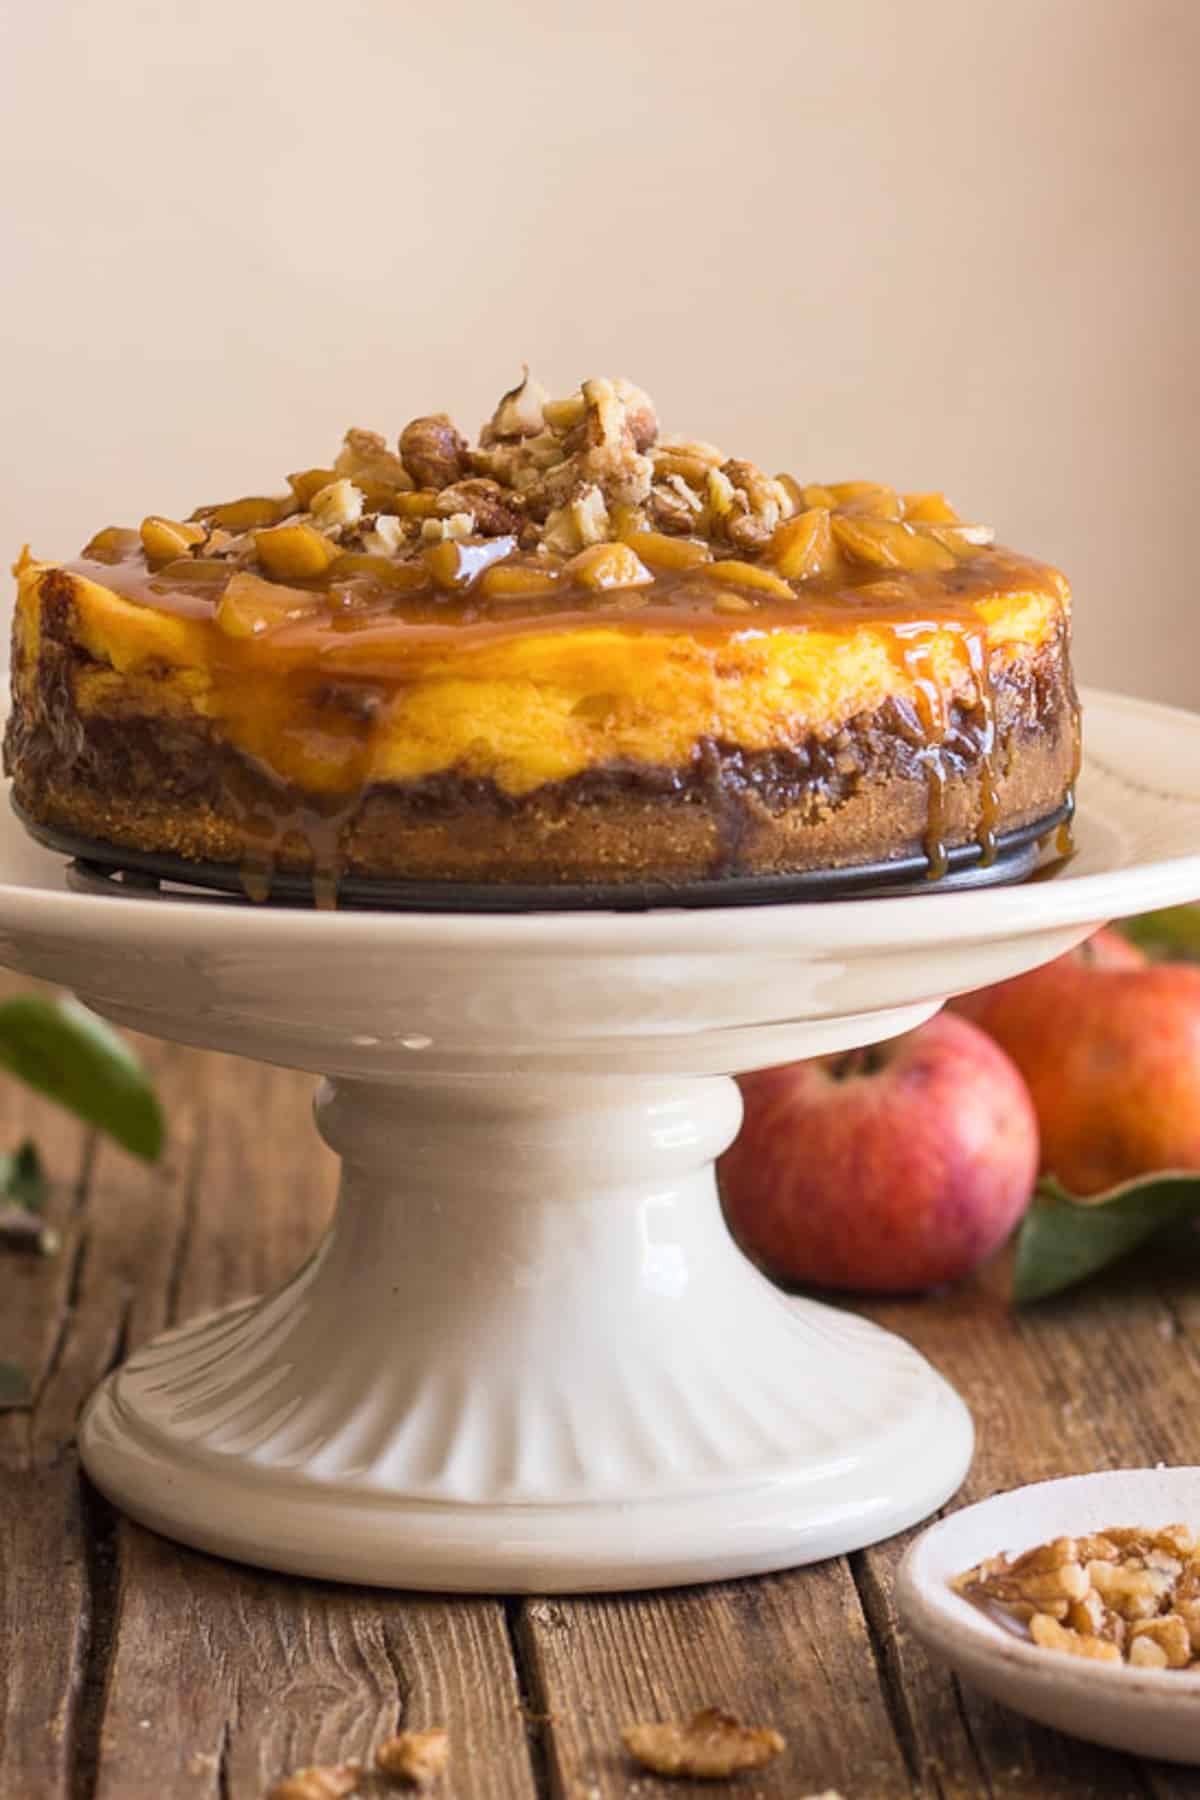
[{"x": 133, "y": 1670}]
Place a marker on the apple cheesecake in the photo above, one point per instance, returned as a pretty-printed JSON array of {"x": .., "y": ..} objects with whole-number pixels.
[{"x": 574, "y": 651}]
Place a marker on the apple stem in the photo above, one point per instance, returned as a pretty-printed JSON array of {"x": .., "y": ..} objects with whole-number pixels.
[{"x": 867, "y": 1060}]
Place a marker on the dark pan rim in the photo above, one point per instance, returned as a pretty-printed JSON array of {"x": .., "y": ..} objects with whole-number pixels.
[{"x": 131, "y": 871}]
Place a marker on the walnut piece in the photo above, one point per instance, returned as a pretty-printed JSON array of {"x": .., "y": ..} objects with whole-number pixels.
[
  {"x": 1048, "y": 1634},
  {"x": 1168, "y": 1634},
  {"x": 711, "y": 1746},
  {"x": 674, "y": 507},
  {"x": 519, "y": 414},
  {"x": 337, "y": 505},
  {"x": 433, "y": 452},
  {"x": 1127, "y": 1593},
  {"x": 495, "y": 513},
  {"x": 364, "y": 456},
  {"x": 417, "y": 1757},
  {"x": 583, "y": 520},
  {"x": 320, "y": 1782},
  {"x": 1129, "y": 1588}
]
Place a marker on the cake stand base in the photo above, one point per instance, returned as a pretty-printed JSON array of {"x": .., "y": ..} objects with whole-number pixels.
[{"x": 528, "y": 1357}]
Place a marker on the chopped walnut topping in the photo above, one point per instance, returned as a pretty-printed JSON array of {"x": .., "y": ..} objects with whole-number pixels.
[
  {"x": 417, "y": 1757},
  {"x": 552, "y": 478},
  {"x": 328, "y": 1782},
  {"x": 1126, "y": 1593},
  {"x": 640, "y": 419},
  {"x": 457, "y": 528},
  {"x": 583, "y": 520},
  {"x": 385, "y": 536},
  {"x": 433, "y": 452},
  {"x": 336, "y": 506},
  {"x": 495, "y": 513},
  {"x": 759, "y": 504},
  {"x": 519, "y": 414},
  {"x": 365, "y": 456},
  {"x": 562, "y": 416},
  {"x": 710, "y": 1747},
  {"x": 674, "y": 507},
  {"x": 696, "y": 451}
]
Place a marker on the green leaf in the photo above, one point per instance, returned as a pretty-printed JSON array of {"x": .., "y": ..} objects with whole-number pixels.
[
  {"x": 22, "y": 1177},
  {"x": 62, "y": 1049},
  {"x": 1173, "y": 932},
  {"x": 1063, "y": 1240},
  {"x": 15, "y": 1390}
]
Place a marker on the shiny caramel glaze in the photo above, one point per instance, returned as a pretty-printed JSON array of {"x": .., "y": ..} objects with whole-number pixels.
[{"x": 408, "y": 615}]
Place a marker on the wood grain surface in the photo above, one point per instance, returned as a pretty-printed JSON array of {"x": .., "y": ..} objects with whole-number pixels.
[{"x": 133, "y": 1670}]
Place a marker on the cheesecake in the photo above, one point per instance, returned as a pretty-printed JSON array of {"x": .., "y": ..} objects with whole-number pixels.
[{"x": 576, "y": 650}]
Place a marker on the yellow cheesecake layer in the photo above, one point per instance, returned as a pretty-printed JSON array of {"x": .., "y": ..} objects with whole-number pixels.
[{"x": 331, "y": 710}]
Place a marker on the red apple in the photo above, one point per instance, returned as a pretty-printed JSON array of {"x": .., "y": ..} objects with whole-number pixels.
[
  {"x": 1109, "y": 1046},
  {"x": 892, "y": 1169}
]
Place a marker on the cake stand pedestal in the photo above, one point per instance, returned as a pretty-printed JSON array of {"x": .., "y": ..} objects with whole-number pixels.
[{"x": 528, "y": 1354}]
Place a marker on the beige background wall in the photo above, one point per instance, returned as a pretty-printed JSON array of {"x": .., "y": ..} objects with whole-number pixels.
[{"x": 946, "y": 242}]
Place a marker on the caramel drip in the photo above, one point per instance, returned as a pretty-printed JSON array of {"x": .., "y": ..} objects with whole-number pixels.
[
  {"x": 914, "y": 645},
  {"x": 288, "y": 822},
  {"x": 1065, "y": 837},
  {"x": 989, "y": 790},
  {"x": 256, "y": 877}
]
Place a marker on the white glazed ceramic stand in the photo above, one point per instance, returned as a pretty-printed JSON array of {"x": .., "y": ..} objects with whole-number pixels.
[{"x": 528, "y": 1356}]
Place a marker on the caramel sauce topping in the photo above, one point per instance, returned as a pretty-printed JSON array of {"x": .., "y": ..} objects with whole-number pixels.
[{"x": 403, "y": 612}]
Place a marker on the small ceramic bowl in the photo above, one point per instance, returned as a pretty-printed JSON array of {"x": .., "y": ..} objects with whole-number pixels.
[{"x": 1152, "y": 1712}]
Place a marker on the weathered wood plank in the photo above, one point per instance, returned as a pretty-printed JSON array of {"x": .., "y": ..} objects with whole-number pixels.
[
  {"x": 44, "y": 1624},
  {"x": 789, "y": 1651},
  {"x": 69, "y": 1318},
  {"x": 222, "y": 1679}
]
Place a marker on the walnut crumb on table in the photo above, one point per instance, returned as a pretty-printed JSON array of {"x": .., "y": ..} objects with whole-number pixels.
[
  {"x": 710, "y": 1747},
  {"x": 418, "y": 1758},
  {"x": 1127, "y": 1594},
  {"x": 319, "y": 1782},
  {"x": 413, "y": 1759}
]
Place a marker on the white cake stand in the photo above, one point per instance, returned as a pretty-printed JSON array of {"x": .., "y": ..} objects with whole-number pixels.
[{"x": 528, "y": 1354}]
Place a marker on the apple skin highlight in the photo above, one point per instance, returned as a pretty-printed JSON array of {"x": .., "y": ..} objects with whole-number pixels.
[{"x": 888, "y": 1170}]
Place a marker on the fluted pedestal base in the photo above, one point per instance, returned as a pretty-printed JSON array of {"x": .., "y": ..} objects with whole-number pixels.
[{"x": 528, "y": 1356}]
